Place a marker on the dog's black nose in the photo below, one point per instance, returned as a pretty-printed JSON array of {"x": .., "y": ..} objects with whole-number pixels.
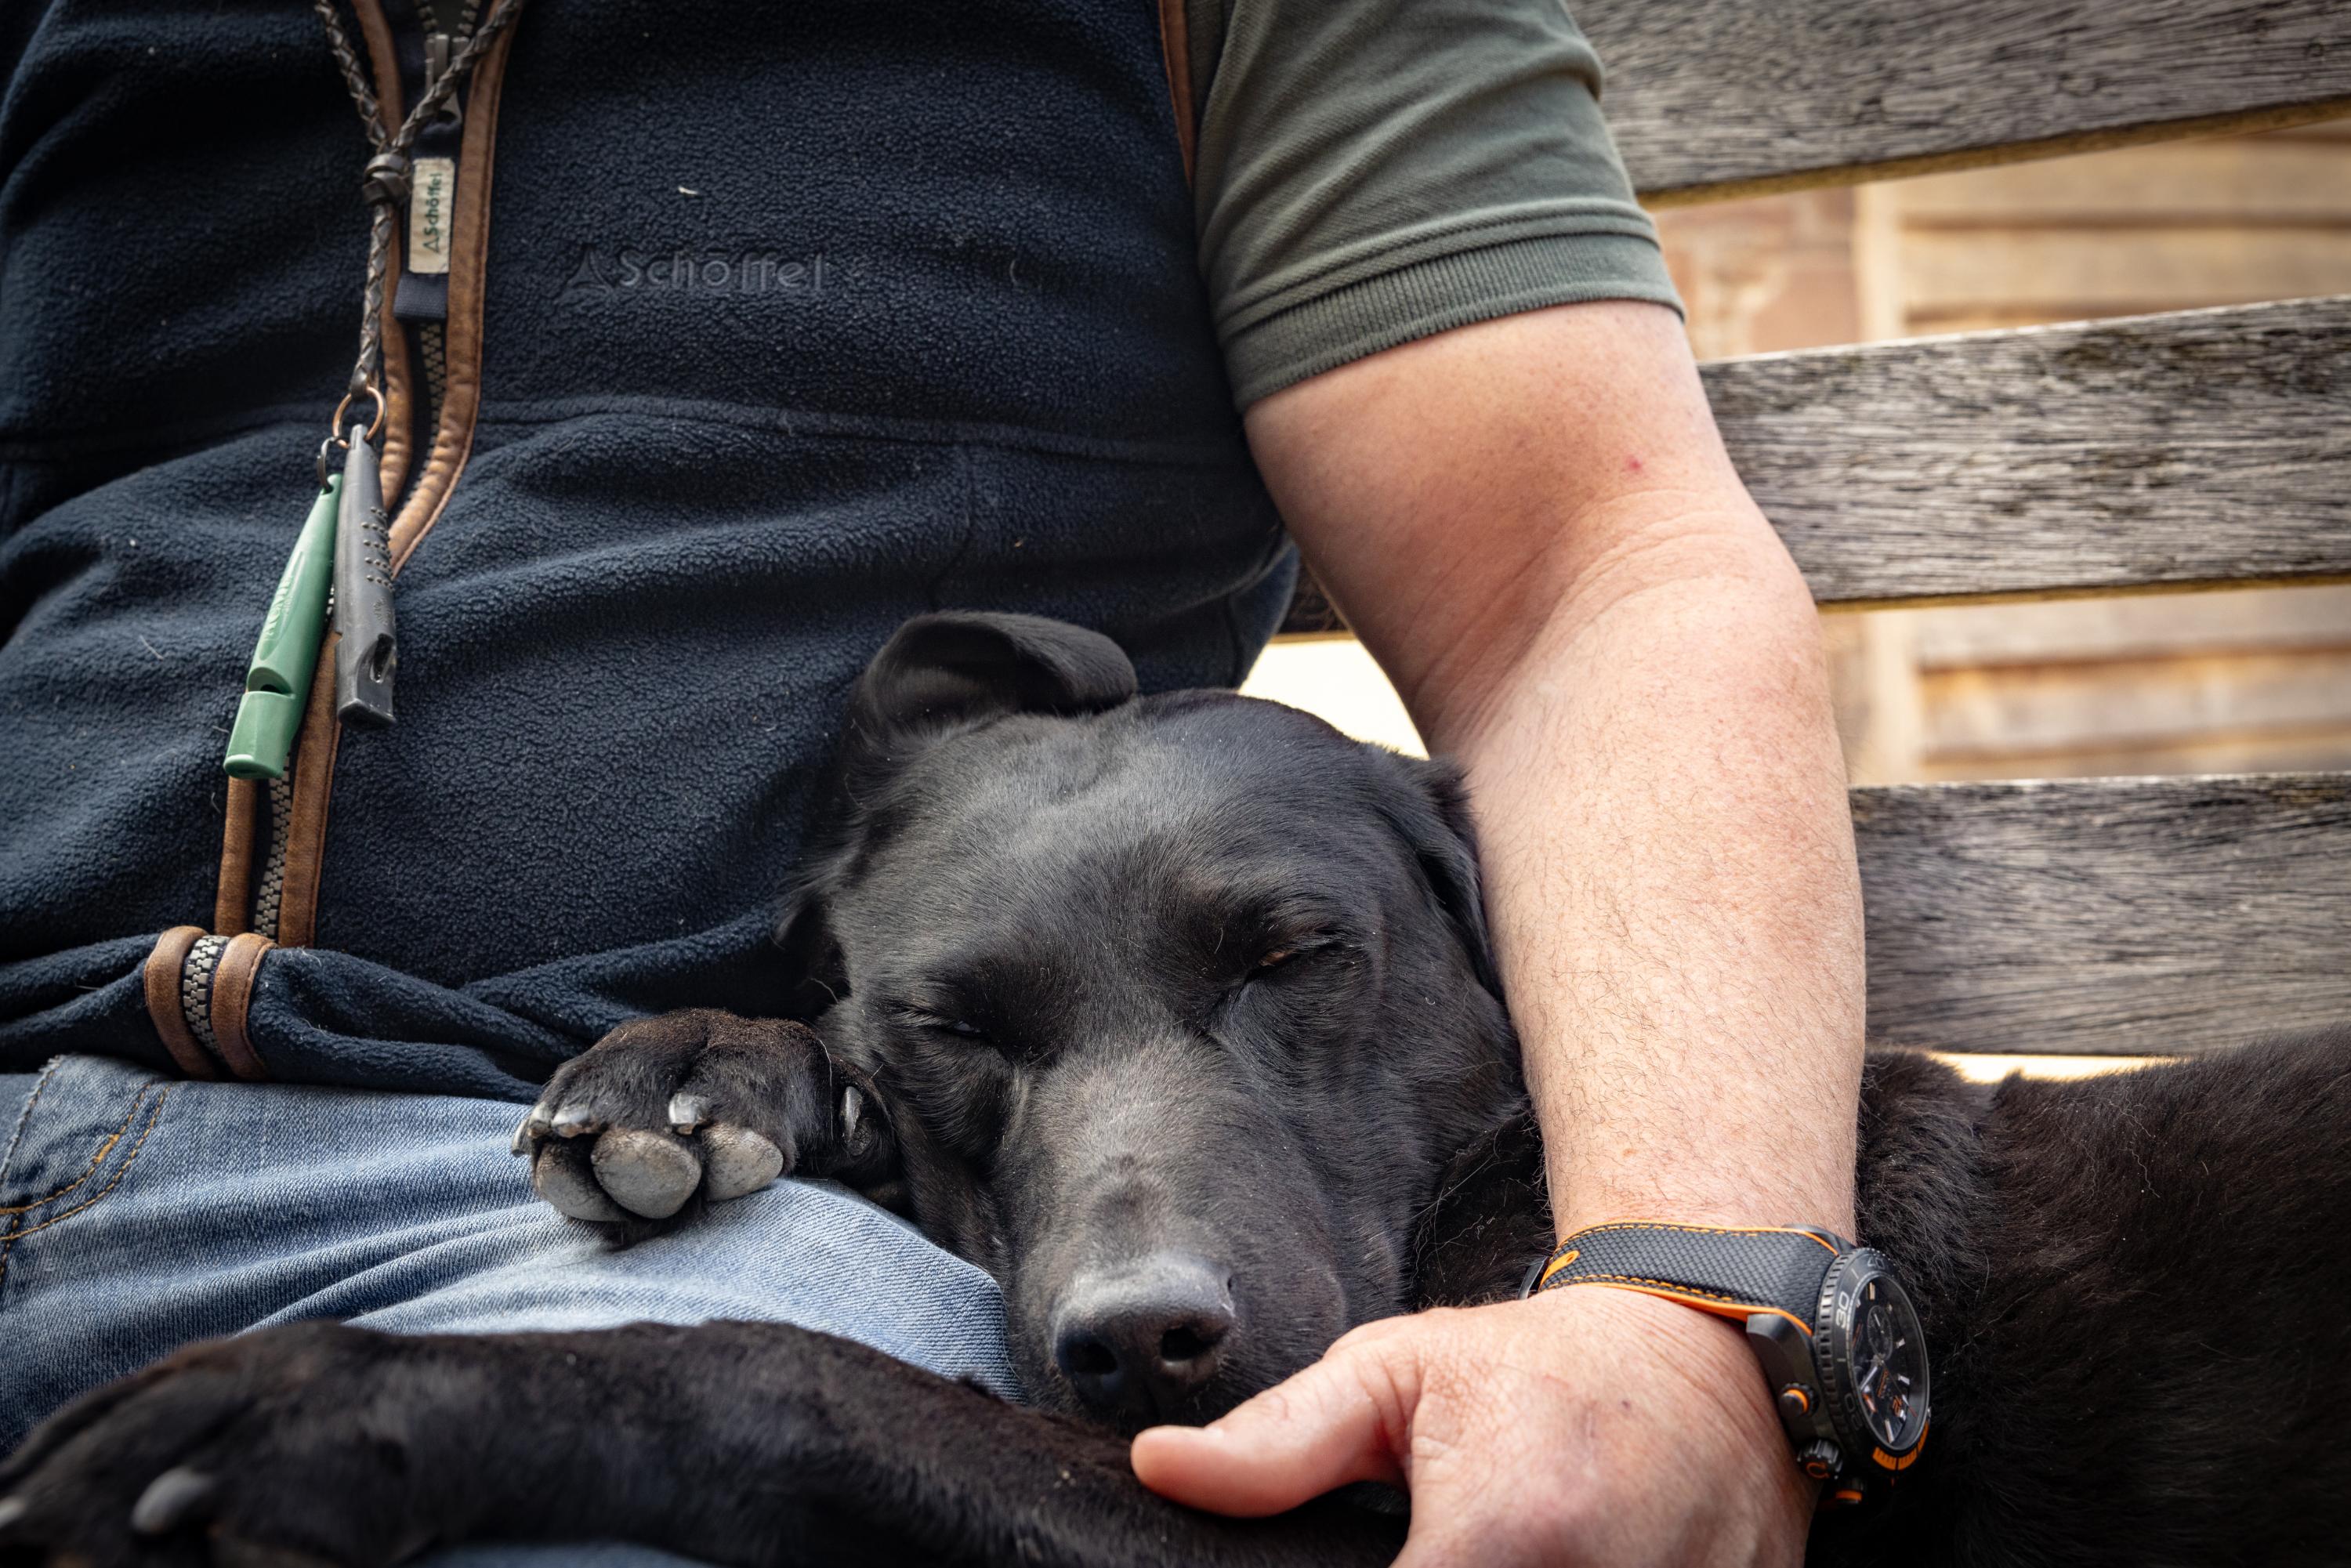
[{"x": 1139, "y": 1341}]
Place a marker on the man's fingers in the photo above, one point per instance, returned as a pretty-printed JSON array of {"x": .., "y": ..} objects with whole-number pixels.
[{"x": 1348, "y": 1417}]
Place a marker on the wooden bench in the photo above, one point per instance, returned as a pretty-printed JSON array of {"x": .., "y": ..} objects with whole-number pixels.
[{"x": 2201, "y": 449}]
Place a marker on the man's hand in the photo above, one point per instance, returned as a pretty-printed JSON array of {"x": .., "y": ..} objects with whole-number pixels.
[{"x": 1587, "y": 1426}]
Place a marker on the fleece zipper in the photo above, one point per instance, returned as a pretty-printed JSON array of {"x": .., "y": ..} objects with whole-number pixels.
[
  {"x": 421, "y": 304},
  {"x": 424, "y": 304}
]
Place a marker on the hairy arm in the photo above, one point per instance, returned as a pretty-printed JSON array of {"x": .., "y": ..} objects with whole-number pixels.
[{"x": 1532, "y": 525}]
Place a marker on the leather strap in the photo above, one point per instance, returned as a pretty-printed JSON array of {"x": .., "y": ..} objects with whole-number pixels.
[
  {"x": 240, "y": 839},
  {"x": 1732, "y": 1271},
  {"x": 469, "y": 240},
  {"x": 162, "y": 983},
  {"x": 233, "y": 982},
  {"x": 306, "y": 822},
  {"x": 1176, "y": 56}
]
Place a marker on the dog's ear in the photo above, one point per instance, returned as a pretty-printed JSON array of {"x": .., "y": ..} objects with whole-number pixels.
[
  {"x": 1431, "y": 813},
  {"x": 959, "y": 667},
  {"x": 812, "y": 963},
  {"x": 938, "y": 673}
]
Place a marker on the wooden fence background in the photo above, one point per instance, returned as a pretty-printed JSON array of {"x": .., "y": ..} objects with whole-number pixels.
[{"x": 2204, "y": 682}]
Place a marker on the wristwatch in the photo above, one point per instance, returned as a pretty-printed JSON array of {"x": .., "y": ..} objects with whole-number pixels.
[{"x": 1833, "y": 1330}]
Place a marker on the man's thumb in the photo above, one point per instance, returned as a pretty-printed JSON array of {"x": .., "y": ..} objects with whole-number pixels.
[{"x": 1348, "y": 1417}]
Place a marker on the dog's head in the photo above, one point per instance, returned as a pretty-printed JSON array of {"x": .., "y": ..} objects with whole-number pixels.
[{"x": 1179, "y": 1006}]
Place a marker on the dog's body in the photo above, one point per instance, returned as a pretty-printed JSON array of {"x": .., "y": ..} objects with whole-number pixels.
[{"x": 1178, "y": 1014}]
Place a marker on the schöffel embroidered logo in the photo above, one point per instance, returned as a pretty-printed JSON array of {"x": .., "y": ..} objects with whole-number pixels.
[{"x": 613, "y": 274}]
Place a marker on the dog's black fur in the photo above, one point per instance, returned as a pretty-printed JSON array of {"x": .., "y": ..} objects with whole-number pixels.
[{"x": 1117, "y": 990}]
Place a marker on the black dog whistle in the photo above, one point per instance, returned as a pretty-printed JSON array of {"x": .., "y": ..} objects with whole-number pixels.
[{"x": 365, "y": 658}]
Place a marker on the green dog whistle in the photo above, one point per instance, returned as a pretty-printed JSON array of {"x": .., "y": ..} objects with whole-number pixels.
[{"x": 277, "y": 682}]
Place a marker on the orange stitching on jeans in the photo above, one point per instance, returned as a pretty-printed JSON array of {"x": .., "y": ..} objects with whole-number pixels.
[
  {"x": 128, "y": 1160},
  {"x": 95, "y": 1160}
]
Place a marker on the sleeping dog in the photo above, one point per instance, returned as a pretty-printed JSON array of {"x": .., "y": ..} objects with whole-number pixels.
[{"x": 1176, "y": 1014}]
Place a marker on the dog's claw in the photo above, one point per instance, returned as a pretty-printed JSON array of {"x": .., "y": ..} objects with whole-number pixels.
[
  {"x": 171, "y": 1499},
  {"x": 572, "y": 1121},
  {"x": 853, "y": 1110},
  {"x": 740, "y": 1161},
  {"x": 525, "y": 1136},
  {"x": 571, "y": 1191},
  {"x": 12, "y": 1509},
  {"x": 687, "y": 1112},
  {"x": 647, "y": 1174}
]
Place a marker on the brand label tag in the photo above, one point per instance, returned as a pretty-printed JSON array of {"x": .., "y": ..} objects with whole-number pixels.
[{"x": 432, "y": 195}]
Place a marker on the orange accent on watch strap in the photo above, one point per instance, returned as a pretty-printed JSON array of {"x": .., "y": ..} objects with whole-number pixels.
[
  {"x": 1574, "y": 1245},
  {"x": 1721, "y": 1306}
]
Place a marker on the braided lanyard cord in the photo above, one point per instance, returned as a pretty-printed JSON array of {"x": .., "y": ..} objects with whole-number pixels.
[
  {"x": 341, "y": 562},
  {"x": 385, "y": 183}
]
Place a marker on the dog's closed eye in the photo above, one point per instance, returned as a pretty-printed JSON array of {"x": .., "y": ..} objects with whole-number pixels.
[
  {"x": 1293, "y": 953},
  {"x": 939, "y": 1023}
]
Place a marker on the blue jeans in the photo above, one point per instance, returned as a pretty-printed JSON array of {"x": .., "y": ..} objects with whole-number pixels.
[{"x": 137, "y": 1214}]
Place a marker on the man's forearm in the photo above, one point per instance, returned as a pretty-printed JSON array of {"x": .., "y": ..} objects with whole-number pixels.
[
  {"x": 1670, "y": 871},
  {"x": 1532, "y": 523}
]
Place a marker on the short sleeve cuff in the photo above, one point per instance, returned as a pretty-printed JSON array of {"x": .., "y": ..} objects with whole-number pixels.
[{"x": 1436, "y": 294}]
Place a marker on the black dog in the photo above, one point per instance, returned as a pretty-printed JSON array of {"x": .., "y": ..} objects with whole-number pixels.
[{"x": 1178, "y": 1014}]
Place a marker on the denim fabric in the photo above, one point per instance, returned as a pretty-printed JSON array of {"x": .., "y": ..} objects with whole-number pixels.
[{"x": 137, "y": 1214}]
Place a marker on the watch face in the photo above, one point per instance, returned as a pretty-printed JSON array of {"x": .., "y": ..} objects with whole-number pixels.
[{"x": 1887, "y": 1358}]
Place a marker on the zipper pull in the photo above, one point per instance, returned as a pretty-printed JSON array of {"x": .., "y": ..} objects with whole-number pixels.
[
  {"x": 438, "y": 47},
  {"x": 365, "y": 658},
  {"x": 277, "y": 681}
]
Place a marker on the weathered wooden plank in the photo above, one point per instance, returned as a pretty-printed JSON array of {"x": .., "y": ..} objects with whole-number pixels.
[
  {"x": 2166, "y": 625},
  {"x": 1712, "y": 100},
  {"x": 2023, "y": 711},
  {"x": 2204, "y": 447},
  {"x": 2240, "y": 179},
  {"x": 2201, "y": 447},
  {"x": 2312, "y": 750},
  {"x": 2104, "y": 271},
  {"x": 2107, "y": 915}
]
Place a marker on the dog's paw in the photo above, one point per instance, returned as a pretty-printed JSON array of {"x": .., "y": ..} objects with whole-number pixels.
[
  {"x": 290, "y": 1448},
  {"x": 690, "y": 1106}
]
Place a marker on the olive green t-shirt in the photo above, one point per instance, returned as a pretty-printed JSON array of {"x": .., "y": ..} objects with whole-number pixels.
[{"x": 1370, "y": 171}]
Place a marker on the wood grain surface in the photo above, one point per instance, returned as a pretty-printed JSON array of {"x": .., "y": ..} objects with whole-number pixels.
[
  {"x": 2057, "y": 709},
  {"x": 2136, "y": 916},
  {"x": 1711, "y": 98},
  {"x": 2240, "y": 179},
  {"x": 2196, "y": 448},
  {"x": 2160, "y": 626}
]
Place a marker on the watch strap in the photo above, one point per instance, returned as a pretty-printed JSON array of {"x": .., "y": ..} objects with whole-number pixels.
[{"x": 1734, "y": 1271}]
